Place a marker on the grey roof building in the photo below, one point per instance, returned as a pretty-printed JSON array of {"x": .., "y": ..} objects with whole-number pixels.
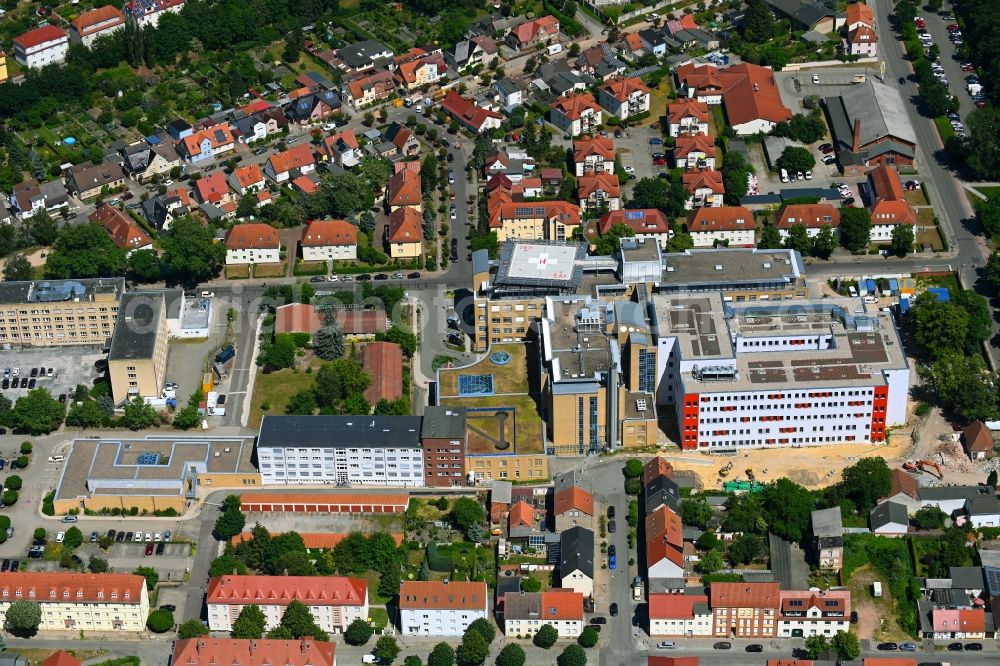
[
  {"x": 576, "y": 551},
  {"x": 137, "y": 329},
  {"x": 662, "y": 490},
  {"x": 967, "y": 578},
  {"x": 364, "y": 54},
  {"x": 869, "y": 121},
  {"x": 888, "y": 515},
  {"x": 339, "y": 431},
  {"x": 445, "y": 423},
  {"x": 807, "y": 13},
  {"x": 827, "y": 523}
]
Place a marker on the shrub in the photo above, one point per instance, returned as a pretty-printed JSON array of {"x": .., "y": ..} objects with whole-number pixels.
[
  {"x": 160, "y": 621},
  {"x": 26, "y": 448}
]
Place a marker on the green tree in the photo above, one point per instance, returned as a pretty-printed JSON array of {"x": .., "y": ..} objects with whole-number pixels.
[
  {"x": 98, "y": 565},
  {"x": 770, "y": 238},
  {"x": 43, "y": 229},
  {"x": 250, "y": 623},
  {"x": 798, "y": 239},
  {"x": 190, "y": 253},
  {"x": 280, "y": 633},
  {"x": 846, "y": 645},
  {"x": 633, "y": 468},
  {"x": 746, "y": 548},
  {"x": 302, "y": 403},
  {"x": 441, "y": 655},
  {"x": 787, "y": 509},
  {"x": 280, "y": 354},
  {"x": 339, "y": 381},
  {"x": 758, "y": 22},
  {"x": 735, "y": 174},
  {"x": 225, "y": 565},
  {"x": 358, "y": 632},
  {"x": 902, "y": 240},
  {"x": 710, "y": 562},
  {"x": 160, "y": 621},
  {"x": 152, "y": 578},
  {"x": 143, "y": 266},
  {"x": 512, "y": 654},
  {"x": 980, "y": 318},
  {"x": 855, "y": 229},
  {"x": 187, "y": 417},
  {"x": 297, "y": 618},
  {"x": 85, "y": 415},
  {"x": 17, "y": 267},
  {"x": 465, "y": 513},
  {"x": 229, "y": 524},
  {"x": 473, "y": 649},
  {"x": 572, "y": 655},
  {"x": 588, "y": 637},
  {"x": 981, "y": 151},
  {"x": 708, "y": 541},
  {"x": 607, "y": 244},
  {"x": 658, "y": 193},
  {"x": 546, "y": 636},
  {"x": 73, "y": 538},
  {"x": 695, "y": 511},
  {"x": 23, "y": 617},
  {"x": 386, "y": 649},
  {"x": 37, "y": 412},
  {"x": 329, "y": 339},
  {"x": 929, "y": 518},
  {"x": 191, "y": 629},
  {"x": 796, "y": 159},
  {"x": 865, "y": 482},
  {"x": 531, "y": 585},
  {"x": 413, "y": 660},
  {"x": 964, "y": 387},
  {"x": 824, "y": 243},
  {"x": 485, "y": 629},
  {"x": 816, "y": 645},
  {"x": 940, "y": 326},
  {"x": 84, "y": 251},
  {"x": 139, "y": 415}
]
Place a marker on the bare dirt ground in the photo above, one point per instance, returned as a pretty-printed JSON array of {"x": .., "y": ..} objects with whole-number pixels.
[{"x": 876, "y": 618}]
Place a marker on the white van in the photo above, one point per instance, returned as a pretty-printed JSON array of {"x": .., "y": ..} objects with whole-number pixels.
[
  {"x": 369, "y": 659},
  {"x": 208, "y": 294},
  {"x": 870, "y": 299},
  {"x": 784, "y": 176}
]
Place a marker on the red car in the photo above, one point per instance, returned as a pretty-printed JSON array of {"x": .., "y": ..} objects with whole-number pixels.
[
  {"x": 952, "y": 27},
  {"x": 981, "y": 103},
  {"x": 149, "y": 549},
  {"x": 659, "y": 162},
  {"x": 968, "y": 68}
]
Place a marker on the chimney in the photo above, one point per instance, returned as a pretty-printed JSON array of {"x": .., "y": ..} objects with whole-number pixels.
[{"x": 856, "y": 145}]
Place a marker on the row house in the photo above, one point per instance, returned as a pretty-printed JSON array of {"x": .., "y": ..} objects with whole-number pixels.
[
  {"x": 313, "y": 107},
  {"x": 599, "y": 192},
  {"x": 957, "y": 623},
  {"x": 811, "y": 216},
  {"x": 342, "y": 148},
  {"x": 122, "y": 229},
  {"x": 664, "y": 544},
  {"x": 89, "y": 26},
  {"x": 522, "y": 189},
  {"x": 576, "y": 114},
  {"x": 679, "y": 615},
  {"x": 79, "y": 601},
  {"x": 249, "y": 129},
  {"x": 43, "y": 46},
  {"x": 474, "y": 118},
  {"x": 369, "y": 89},
  {"x": 744, "y": 610},
  {"x": 624, "y": 98},
  {"x": 533, "y": 33},
  {"x": 890, "y": 208},
  {"x": 253, "y": 243},
  {"x": 694, "y": 151},
  {"x": 525, "y": 612},
  {"x": 466, "y": 54},
  {"x": 576, "y": 560},
  {"x": 404, "y": 190},
  {"x": 687, "y": 116},
  {"x": 405, "y": 233},
  {"x": 329, "y": 240},
  {"x": 441, "y": 608},
  {"x": 89, "y": 181},
  {"x": 828, "y": 538},
  {"x": 600, "y": 62},
  {"x": 333, "y": 601},
  {"x": 731, "y": 226},
  {"x": 295, "y": 161},
  {"x": 29, "y": 197},
  {"x": 207, "y": 651},
  {"x": 423, "y": 71},
  {"x": 804, "y": 613},
  {"x": 593, "y": 154},
  {"x": 247, "y": 179},
  {"x": 705, "y": 187},
  {"x": 214, "y": 189},
  {"x": 572, "y": 504},
  {"x": 207, "y": 143},
  {"x": 645, "y": 222}
]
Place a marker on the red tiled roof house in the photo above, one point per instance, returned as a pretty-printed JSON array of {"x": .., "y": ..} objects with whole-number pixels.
[
  {"x": 253, "y": 243},
  {"x": 383, "y": 361},
  {"x": 730, "y": 226},
  {"x": 329, "y": 240},
  {"x": 207, "y": 651},
  {"x": 441, "y": 608},
  {"x": 124, "y": 232}
]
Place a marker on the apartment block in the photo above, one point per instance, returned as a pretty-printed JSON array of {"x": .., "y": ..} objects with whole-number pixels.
[
  {"x": 334, "y": 601},
  {"x": 79, "y": 602},
  {"x": 441, "y": 608},
  {"x": 684, "y": 615},
  {"x": 137, "y": 359},
  {"x": 805, "y": 613},
  {"x": 44, "y": 313},
  {"x": 744, "y": 610},
  {"x": 205, "y": 651},
  {"x": 444, "y": 440}
]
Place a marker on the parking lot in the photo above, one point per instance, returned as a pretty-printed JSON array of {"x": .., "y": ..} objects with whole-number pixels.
[{"x": 71, "y": 365}]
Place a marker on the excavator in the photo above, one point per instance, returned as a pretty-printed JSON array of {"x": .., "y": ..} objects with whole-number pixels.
[
  {"x": 724, "y": 472},
  {"x": 910, "y": 467},
  {"x": 750, "y": 474},
  {"x": 928, "y": 465}
]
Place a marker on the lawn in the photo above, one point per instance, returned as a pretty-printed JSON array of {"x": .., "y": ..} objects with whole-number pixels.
[
  {"x": 989, "y": 191},
  {"x": 931, "y": 238},
  {"x": 510, "y": 378},
  {"x": 279, "y": 269},
  {"x": 944, "y": 128},
  {"x": 950, "y": 282},
  {"x": 916, "y": 197},
  {"x": 276, "y": 388},
  {"x": 238, "y": 272},
  {"x": 658, "y": 99},
  {"x": 527, "y": 422},
  {"x": 442, "y": 360},
  {"x": 379, "y": 616},
  {"x": 425, "y": 511},
  {"x": 310, "y": 268}
]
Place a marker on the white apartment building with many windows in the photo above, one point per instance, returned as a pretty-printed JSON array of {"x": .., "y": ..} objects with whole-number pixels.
[
  {"x": 79, "y": 602},
  {"x": 363, "y": 449},
  {"x": 441, "y": 608}
]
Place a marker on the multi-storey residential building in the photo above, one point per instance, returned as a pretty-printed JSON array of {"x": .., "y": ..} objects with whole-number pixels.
[
  {"x": 334, "y": 601},
  {"x": 444, "y": 439},
  {"x": 705, "y": 187},
  {"x": 379, "y": 450},
  {"x": 684, "y": 615},
  {"x": 576, "y": 114},
  {"x": 79, "y": 602},
  {"x": 207, "y": 143},
  {"x": 42, "y": 46},
  {"x": 593, "y": 154},
  {"x": 572, "y": 505},
  {"x": 206, "y": 651},
  {"x": 148, "y": 12},
  {"x": 624, "y": 98},
  {"x": 533, "y": 33},
  {"x": 89, "y": 26},
  {"x": 647, "y": 223},
  {"x": 470, "y": 115},
  {"x": 749, "y": 94},
  {"x": 59, "y": 312},
  {"x": 532, "y": 220},
  {"x": 860, "y": 39},
  {"x": 296, "y": 160},
  {"x": 329, "y": 240},
  {"x": 779, "y": 375},
  {"x": 811, "y": 216},
  {"x": 599, "y": 192},
  {"x": 687, "y": 116},
  {"x": 404, "y": 190},
  {"x": 422, "y": 71},
  {"x": 664, "y": 544},
  {"x": 526, "y": 612},
  {"x": 694, "y": 151},
  {"x": 91, "y": 180},
  {"x": 247, "y": 180},
  {"x": 804, "y": 613},
  {"x": 404, "y": 235},
  {"x": 253, "y": 243},
  {"x": 731, "y": 226},
  {"x": 441, "y": 608},
  {"x": 137, "y": 358},
  {"x": 744, "y": 610},
  {"x": 890, "y": 209},
  {"x": 367, "y": 90}
]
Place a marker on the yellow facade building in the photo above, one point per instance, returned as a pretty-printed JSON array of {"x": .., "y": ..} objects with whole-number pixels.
[
  {"x": 137, "y": 360},
  {"x": 79, "y": 602},
  {"x": 507, "y": 467},
  {"x": 43, "y": 313}
]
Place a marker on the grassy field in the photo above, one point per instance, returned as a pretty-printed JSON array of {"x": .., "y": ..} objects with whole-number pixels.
[
  {"x": 993, "y": 192},
  {"x": 510, "y": 378},
  {"x": 944, "y": 128},
  {"x": 279, "y": 269},
  {"x": 876, "y": 616},
  {"x": 658, "y": 99},
  {"x": 916, "y": 197},
  {"x": 276, "y": 388},
  {"x": 528, "y": 428},
  {"x": 930, "y": 237},
  {"x": 238, "y": 272}
]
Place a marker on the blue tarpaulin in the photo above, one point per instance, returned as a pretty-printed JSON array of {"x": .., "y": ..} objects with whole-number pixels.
[
  {"x": 904, "y": 305},
  {"x": 940, "y": 293}
]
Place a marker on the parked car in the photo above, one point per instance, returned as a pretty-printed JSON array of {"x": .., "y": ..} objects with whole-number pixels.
[
  {"x": 722, "y": 645},
  {"x": 598, "y": 620},
  {"x": 973, "y": 647},
  {"x": 612, "y": 527},
  {"x": 666, "y": 645},
  {"x": 317, "y": 279},
  {"x": 755, "y": 647},
  {"x": 413, "y": 276},
  {"x": 149, "y": 549},
  {"x": 69, "y": 519},
  {"x": 656, "y": 141},
  {"x": 160, "y": 547},
  {"x": 60, "y": 537},
  {"x": 908, "y": 647},
  {"x": 93, "y": 537},
  {"x": 829, "y": 160},
  {"x": 955, "y": 647},
  {"x": 887, "y": 647},
  {"x": 614, "y": 610}
]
